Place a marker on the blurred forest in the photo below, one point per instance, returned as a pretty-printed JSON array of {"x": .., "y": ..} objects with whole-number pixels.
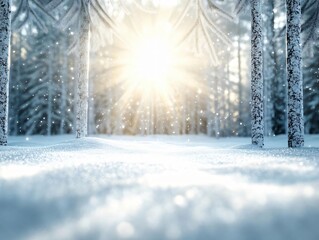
[{"x": 44, "y": 59}]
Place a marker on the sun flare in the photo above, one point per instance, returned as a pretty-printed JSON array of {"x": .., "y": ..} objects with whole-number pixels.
[
  {"x": 153, "y": 68},
  {"x": 155, "y": 75},
  {"x": 151, "y": 63},
  {"x": 152, "y": 60}
]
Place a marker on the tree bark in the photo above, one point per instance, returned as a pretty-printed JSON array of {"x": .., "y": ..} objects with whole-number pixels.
[
  {"x": 294, "y": 75},
  {"x": 50, "y": 89},
  {"x": 64, "y": 80},
  {"x": 229, "y": 126},
  {"x": 209, "y": 114},
  {"x": 269, "y": 68},
  {"x": 91, "y": 108},
  {"x": 241, "y": 130},
  {"x": 83, "y": 76},
  {"x": 257, "y": 128},
  {"x": 5, "y": 35},
  {"x": 14, "y": 87},
  {"x": 109, "y": 110},
  {"x": 216, "y": 104}
]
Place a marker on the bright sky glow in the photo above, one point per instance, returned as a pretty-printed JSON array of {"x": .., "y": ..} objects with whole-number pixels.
[
  {"x": 151, "y": 63},
  {"x": 153, "y": 66},
  {"x": 169, "y": 3},
  {"x": 153, "y": 70}
]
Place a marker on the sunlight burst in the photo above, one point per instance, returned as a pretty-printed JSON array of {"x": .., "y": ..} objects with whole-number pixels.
[
  {"x": 151, "y": 63},
  {"x": 155, "y": 74}
]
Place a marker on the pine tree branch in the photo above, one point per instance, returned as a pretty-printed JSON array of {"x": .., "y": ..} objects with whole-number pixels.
[
  {"x": 181, "y": 17},
  {"x": 143, "y": 9},
  {"x": 211, "y": 48},
  {"x": 53, "y": 4},
  {"x": 213, "y": 26},
  {"x": 220, "y": 11}
]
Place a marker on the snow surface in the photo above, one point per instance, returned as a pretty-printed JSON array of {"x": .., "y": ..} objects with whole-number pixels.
[{"x": 159, "y": 187}]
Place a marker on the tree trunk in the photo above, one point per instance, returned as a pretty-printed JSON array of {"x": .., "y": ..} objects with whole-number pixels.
[
  {"x": 50, "y": 90},
  {"x": 196, "y": 114},
  {"x": 109, "y": 111},
  {"x": 269, "y": 68},
  {"x": 192, "y": 109},
  {"x": 229, "y": 108},
  {"x": 83, "y": 76},
  {"x": 216, "y": 104},
  {"x": 91, "y": 108},
  {"x": 184, "y": 114},
  {"x": 14, "y": 81},
  {"x": 209, "y": 104},
  {"x": 5, "y": 34},
  {"x": 142, "y": 123},
  {"x": 241, "y": 130},
  {"x": 257, "y": 125},
  {"x": 152, "y": 120},
  {"x": 64, "y": 80},
  {"x": 294, "y": 75},
  {"x": 223, "y": 115}
]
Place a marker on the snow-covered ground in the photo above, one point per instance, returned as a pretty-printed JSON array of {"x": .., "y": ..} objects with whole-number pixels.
[{"x": 160, "y": 187}]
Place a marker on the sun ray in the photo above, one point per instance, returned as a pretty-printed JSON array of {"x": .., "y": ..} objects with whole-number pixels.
[{"x": 154, "y": 72}]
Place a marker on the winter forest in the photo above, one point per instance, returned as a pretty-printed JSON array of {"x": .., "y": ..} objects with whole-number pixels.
[
  {"x": 159, "y": 119},
  {"x": 156, "y": 67}
]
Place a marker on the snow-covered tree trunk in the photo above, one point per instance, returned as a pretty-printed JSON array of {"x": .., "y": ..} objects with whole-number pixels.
[
  {"x": 188, "y": 107},
  {"x": 241, "y": 131},
  {"x": 91, "y": 109},
  {"x": 5, "y": 34},
  {"x": 210, "y": 107},
  {"x": 108, "y": 115},
  {"x": 64, "y": 80},
  {"x": 269, "y": 67},
  {"x": 216, "y": 106},
  {"x": 160, "y": 129},
  {"x": 257, "y": 125},
  {"x": 184, "y": 116},
  {"x": 142, "y": 122},
  {"x": 294, "y": 75},
  {"x": 50, "y": 91},
  {"x": 151, "y": 117},
  {"x": 15, "y": 79},
  {"x": 83, "y": 76},
  {"x": 197, "y": 114},
  {"x": 229, "y": 110},
  {"x": 176, "y": 126},
  {"x": 192, "y": 109},
  {"x": 75, "y": 89},
  {"x": 118, "y": 117},
  {"x": 223, "y": 102}
]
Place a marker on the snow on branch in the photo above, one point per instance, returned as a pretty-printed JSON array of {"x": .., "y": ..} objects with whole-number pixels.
[
  {"x": 241, "y": 6},
  {"x": 214, "y": 7},
  {"x": 32, "y": 11},
  {"x": 69, "y": 17},
  {"x": 204, "y": 24},
  {"x": 143, "y": 8},
  {"x": 310, "y": 26}
]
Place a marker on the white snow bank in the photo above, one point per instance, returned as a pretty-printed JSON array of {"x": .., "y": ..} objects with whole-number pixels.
[{"x": 158, "y": 187}]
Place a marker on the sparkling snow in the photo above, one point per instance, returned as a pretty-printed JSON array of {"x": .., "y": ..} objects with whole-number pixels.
[{"x": 160, "y": 187}]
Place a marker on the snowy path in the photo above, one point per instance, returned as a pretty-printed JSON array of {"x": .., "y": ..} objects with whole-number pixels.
[{"x": 158, "y": 188}]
